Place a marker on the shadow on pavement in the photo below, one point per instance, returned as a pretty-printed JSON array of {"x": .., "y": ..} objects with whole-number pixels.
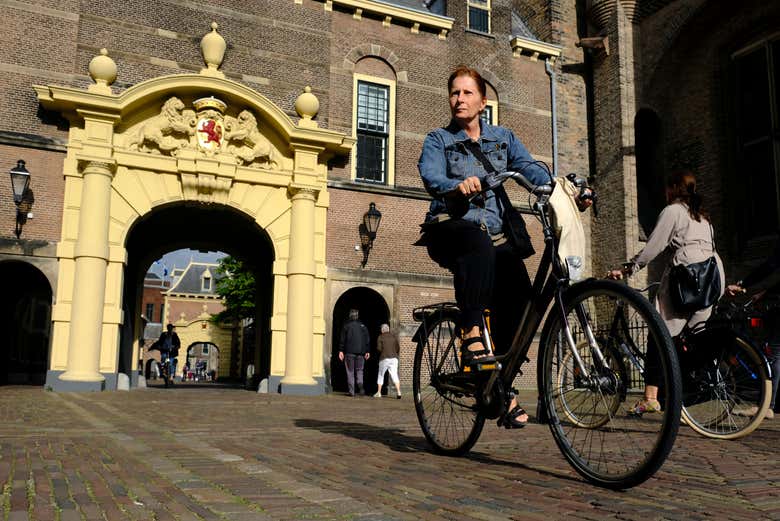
[{"x": 397, "y": 441}]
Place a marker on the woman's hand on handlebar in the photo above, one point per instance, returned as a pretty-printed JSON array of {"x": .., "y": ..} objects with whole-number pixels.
[
  {"x": 469, "y": 186},
  {"x": 734, "y": 290}
]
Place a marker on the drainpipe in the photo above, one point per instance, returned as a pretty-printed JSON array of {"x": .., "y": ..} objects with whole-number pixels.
[{"x": 551, "y": 72}]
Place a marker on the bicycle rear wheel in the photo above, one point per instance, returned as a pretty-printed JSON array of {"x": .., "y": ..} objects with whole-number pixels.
[
  {"x": 447, "y": 413},
  {"x": 726, "y": 385},
  {"x": 589, "y": 410}
]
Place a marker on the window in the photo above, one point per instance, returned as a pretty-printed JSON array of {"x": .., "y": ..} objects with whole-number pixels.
[
  {"x": 206, "y": 283},
  {"x": 374, "y": 116},
  {"x": 756, "y": 70},
  {"x": 205, "y": 350},
  {"x": 479, "y": 15},
  {"x": 150, "y": 312},
  {"x": 490, "y": 114}
]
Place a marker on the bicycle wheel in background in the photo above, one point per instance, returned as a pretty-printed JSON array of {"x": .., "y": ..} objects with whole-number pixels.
[
  {"x": 449, "y": 418},
  {"x": 589, "y": 415},
  {"x": 726, "y": 385}
]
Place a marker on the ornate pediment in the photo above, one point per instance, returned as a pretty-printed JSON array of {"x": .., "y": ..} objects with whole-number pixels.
[{"x": 205, "y": 129}]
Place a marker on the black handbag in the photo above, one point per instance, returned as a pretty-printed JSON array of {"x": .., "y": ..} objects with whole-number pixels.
[
  {"x": 695, "y": 286},
  {"x": 514, "y": 225}
]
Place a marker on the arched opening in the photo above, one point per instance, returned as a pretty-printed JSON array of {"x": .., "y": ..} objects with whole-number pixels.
[
  {"x": 649, "y": 169},
  {"x": 25, "y": 319},
  {"x": 202, "y": 227},
  {"x": 202, "y": 362},
  {"x": 373, "y": 313}
]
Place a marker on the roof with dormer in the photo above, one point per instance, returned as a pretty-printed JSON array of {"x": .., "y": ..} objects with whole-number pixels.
[{"x": 191, "y": 281}]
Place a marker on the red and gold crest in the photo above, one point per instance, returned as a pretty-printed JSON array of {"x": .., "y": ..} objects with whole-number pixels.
[{"x": 210, "y": 127}]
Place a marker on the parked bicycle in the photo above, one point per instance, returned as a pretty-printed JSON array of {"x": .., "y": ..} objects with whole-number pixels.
[
  {"x": 727, "y": 379},
  {"x": 585, "y": 387}
]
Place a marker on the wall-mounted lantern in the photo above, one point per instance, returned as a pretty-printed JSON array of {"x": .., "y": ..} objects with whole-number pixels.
[
  {"x": 20, "y": 182},
  {"x": 368, "y": 229}
]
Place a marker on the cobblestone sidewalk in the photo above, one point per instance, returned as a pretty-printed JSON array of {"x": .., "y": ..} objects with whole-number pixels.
[{"x": 226, "y": 454}]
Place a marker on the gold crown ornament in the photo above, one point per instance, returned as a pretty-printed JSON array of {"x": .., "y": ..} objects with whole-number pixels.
[{"x": 209, "y": 103}]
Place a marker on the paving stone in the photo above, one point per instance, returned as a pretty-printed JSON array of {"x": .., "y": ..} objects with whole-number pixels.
[{"x": 330, "y": 458}]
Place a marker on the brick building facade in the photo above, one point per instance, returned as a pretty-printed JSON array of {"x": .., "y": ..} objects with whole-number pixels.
[{"x": 657, "y": 97}]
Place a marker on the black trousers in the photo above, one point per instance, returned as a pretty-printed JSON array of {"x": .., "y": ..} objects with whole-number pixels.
[{"x": 486, "y": 277}]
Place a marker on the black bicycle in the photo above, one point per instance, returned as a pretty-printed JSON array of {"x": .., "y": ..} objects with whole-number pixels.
[
  {"x": 586, "y": 388},
  {"x": 726, "y": 379}
]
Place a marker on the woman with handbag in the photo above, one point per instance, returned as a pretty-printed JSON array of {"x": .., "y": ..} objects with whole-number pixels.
[
  {"x": 483, "y": 242},
  {"x": 694, "y": 279}
]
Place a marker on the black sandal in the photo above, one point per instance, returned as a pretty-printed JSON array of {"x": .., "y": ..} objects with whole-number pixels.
[
  {"x": 510, "y": 419},
  {"x": 470, "y": 358}
]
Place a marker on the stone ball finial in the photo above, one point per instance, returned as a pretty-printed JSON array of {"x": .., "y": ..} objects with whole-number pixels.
[
  {"x": 102, "y": 69},
  {"x": 307, "y": 105},
  {"x": 213, "y": 48}
]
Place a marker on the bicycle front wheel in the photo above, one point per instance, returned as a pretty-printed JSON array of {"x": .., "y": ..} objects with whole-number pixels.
[
  {"x": 590, "y": 402},
  {"x": 726, "y": 385},
  {"x": 448, "y": 413}
]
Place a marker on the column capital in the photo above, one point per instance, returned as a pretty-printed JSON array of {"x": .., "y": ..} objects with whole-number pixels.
[
  {"x": 101, "y": 165},
  {"x": 299, "y": 191}
]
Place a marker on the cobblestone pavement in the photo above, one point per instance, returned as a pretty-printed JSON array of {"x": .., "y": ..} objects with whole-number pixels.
[{"x": 227, "y": 454}]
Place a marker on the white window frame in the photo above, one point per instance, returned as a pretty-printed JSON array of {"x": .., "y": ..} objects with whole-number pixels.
[
  {"x": 493, "y": 104},
  {"x": 390, "y": 167},
  {"x": 484, "y": 6}
]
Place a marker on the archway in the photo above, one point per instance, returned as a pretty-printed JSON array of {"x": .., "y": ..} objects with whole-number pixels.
[
  {"x": 203, "y": 361},
  {"x": 206, "y": 227},
  {"x": 25, "y": 319},
  {"x": 649, "y": 168},
  {"x": 134, "y": 154},
  {"x": 373, "y": 313}
]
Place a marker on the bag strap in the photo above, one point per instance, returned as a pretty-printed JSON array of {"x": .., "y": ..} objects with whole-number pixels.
[{"x": 500, "y": 192}]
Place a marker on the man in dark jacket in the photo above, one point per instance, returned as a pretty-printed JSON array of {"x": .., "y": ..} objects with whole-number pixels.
[
  {"x": 767, "y": 275},
  {"x": 169, "y": 343},
  {"x": 353, "y": 350}
]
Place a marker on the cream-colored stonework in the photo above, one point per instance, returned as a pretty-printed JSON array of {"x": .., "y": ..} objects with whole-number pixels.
[{"x": 130, "y": 153}]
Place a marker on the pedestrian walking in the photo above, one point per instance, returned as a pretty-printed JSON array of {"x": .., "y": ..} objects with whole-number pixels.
[
  {"x": 389, "y": 351},
  {"x": 353, "y": 351}
]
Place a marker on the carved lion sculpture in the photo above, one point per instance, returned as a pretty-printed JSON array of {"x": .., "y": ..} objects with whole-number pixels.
[
  {"x": 251, "y": 143},
  {"x": 169, "y": 131}
]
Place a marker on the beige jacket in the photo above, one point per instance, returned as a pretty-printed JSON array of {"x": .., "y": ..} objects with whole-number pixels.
[{"x": 688, "y": 241}]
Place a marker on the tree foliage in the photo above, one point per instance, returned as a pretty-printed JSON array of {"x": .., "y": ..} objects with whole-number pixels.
[{"x": 236, "y": 285}]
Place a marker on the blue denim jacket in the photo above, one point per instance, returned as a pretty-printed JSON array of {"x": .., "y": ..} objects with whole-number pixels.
[{"x": 445, "y": 161}]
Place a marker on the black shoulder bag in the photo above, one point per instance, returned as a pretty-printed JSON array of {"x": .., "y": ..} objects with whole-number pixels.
[
  {"x": 695, "y": 286},
  {"x": 514, "y": 225}
]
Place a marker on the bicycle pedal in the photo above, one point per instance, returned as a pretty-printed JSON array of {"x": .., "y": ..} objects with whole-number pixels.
[{"x": 478, "y": 368}]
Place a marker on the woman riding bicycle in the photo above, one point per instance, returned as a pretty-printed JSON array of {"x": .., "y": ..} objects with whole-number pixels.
[
  {"x": 683, "y": 231},
  {"x": 474, "y": 239}
]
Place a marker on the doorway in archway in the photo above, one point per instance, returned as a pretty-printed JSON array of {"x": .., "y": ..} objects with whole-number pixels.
[
  {"x": 202, "y": 362},
  {"x": 208, "y": 228},
  {"x": 25, "y": 320},
  {"x": 373, "y": 313}
]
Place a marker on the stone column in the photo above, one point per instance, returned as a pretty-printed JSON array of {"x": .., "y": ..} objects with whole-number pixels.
[
  {"x": 89, "y": 287},
  {"x": 301, "y": 269}
]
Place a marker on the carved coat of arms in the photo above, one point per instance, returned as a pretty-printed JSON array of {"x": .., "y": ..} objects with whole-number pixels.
[{"x": 210, "y": 126}]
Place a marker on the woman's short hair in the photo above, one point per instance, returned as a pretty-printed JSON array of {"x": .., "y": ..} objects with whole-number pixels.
[
  {"x": 462, "y": 70},
  {"x": 384, "y": 328}
]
